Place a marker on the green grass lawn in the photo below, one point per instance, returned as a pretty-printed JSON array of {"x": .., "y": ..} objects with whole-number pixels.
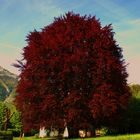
[{"x": 121, "y": 137}]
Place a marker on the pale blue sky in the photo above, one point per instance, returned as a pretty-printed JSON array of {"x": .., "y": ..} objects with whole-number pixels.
[{"x": 19, "y": 17}]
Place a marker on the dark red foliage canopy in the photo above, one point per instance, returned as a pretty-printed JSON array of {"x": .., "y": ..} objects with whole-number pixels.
[{"x": 74, "y": 72}]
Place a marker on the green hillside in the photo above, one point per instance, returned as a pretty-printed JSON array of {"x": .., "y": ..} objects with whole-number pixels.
[{"x": 8, "y": 82}]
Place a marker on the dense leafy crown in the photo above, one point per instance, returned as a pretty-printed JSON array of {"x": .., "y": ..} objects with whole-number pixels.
[{"x": 74, "y": 73}]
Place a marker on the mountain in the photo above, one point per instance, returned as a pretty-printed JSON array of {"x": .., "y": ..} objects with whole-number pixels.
[{"x": 8, "y": 83}]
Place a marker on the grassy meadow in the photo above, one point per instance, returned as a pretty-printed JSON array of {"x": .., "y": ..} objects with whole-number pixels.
[{"x": 120, "y": 137}]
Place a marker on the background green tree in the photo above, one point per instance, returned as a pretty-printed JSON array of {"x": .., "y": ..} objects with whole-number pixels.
[
  {"x": 135, "y": 89},
  {"x": 129, "y": 122},
  {"x": 2, "y": 114}
]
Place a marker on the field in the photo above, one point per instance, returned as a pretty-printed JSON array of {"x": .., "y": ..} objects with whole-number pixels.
[{"x": 121, "y": 137}]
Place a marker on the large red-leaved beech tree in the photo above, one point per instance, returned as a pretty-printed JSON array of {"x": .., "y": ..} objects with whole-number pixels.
[{"x": 73, "y": 73}]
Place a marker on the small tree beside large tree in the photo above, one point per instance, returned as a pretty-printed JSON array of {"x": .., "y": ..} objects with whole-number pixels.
[{"x": 73, "y": 74}]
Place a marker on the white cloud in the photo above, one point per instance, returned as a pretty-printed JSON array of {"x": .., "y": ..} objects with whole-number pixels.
[
  {"x": 129, "y": 40},
  {"x": 7, "y": 61},
  {"x": 112, "y": 9},
  {"x": 8, "y": 55},
  {"x": 48, "y": 8},
  {"x": 135, "y": 22},
  {"x": 134, "y": 70},
  {"x": 5, "y": 46}
]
